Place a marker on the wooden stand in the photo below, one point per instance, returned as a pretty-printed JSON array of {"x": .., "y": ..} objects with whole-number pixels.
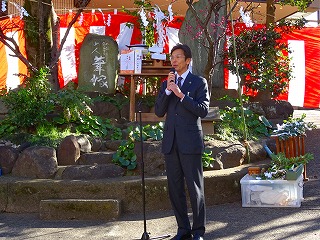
[
  {"x": 153, "y": 68},
  {"x": 292, "y": 147}
]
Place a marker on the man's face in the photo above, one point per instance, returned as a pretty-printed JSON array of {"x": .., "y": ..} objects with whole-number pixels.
[{"x": 179, "y": 61}]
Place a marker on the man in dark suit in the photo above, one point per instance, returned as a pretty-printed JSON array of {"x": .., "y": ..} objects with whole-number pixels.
[{"x": 184, "y": 99}]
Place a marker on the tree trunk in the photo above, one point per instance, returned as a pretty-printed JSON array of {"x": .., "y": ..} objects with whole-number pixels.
[
  {"x": 271, "y": 9},
  {"x": 54, "y": 53},
  {"x": 41, "y": 35},
  {"x": 38, "y": 28}
]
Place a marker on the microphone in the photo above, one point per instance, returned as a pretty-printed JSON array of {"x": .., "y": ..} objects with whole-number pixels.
[{"x": 173, "y": 70}]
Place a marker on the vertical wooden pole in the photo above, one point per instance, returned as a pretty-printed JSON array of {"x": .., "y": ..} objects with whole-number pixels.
[
  {"x": 291, "y": 147},
  {"x": 132, "y": 100}
]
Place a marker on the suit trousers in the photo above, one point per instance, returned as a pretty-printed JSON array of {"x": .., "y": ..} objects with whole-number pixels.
[{"x": 181, "y": 169}]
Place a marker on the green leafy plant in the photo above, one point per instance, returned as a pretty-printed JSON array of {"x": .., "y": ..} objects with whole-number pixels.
[
  {"x": 280, "y": 165},
  {"x": 293, "y": 127},
  {"x": 29, "y": 105},
  {"x": 125, "y": 155},
  {"x": 149, "y": 132},
  {"x": 280, "y": 161},
  {"x": 48, "y": 135},
  {"x": 146, "y": 100},
  {"x": 73, "y": 104},
  {"x": 6, "y": 128},
  {"x": 231, "y": 125},
  {"x": 92, "y": 125},
  {"x": 44, "y": 135},
  {"x": 207, "y": 159},
  {"x": 262, "y": 60},
  {"x": 301, "y": 4},
  {"x": 116, "y": 133},
  {"x": 96, "y": 126}
]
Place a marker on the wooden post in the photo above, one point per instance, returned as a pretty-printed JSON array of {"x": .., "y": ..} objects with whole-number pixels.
[{"x": 132, "y": 99}]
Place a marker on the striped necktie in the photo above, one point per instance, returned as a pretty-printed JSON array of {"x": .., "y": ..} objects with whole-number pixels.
[{"x": 179, "y": 81}]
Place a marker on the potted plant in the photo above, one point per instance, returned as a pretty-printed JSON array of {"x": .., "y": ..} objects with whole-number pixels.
[
  {"x": 289, "y": 138},
  {"x": 282, "y": 167}
]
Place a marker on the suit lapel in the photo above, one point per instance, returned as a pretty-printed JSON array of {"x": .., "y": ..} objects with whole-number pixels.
[{"x": 187, "y": 83}]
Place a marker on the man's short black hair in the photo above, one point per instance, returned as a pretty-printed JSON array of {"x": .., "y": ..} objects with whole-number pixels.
[{"x": 185, "y": 48}]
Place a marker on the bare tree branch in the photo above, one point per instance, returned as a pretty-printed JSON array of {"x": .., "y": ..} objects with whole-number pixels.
[{"x": 13, "y": 46}]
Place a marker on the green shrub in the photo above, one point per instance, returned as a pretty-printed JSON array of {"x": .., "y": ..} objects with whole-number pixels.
[
  {"x": 29, "y": 105},
  {"x": 232, "y": 127},
  {"x": 125, "y": 156},
  {"x": 207, "y": 159},
  {"x": 73, "y": 103}
]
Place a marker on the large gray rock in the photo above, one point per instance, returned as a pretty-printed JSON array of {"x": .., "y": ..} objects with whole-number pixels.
[
  {"x": 257, "y": 150},
  {"x": 113, "y": 145},
  {"x": 229, "y": 154},
  {"x": 8, "y": 157},
  {"x": 93, "y": 158},
  {"x": 98, "y": 64},
  {"x": 105, "y": 109},
  {"x": 274, "y": 110},
  {"x": 86, "y": 172},
  {"x": 226, "y": 154},
  {"x": 68, "y": 151},
  {"x": 84, "y": 143},
  {"x": 36, "y": 162},
  {"x": 96, "y": 144},
  {"x": 154, "y": 164}
]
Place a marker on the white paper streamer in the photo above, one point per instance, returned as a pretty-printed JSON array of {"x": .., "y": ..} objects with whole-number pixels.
[
  {"x": 104, "y": 19},
  {"x": 21, "y": 10},
  {"x": 81, "y": 19},
  {"x": 246, "y": 17},
  {"x": 109, "y": 20},
  {"x": 143, "y": 17},
  {"x": 159, "y": 16},
  {"x": 170, "y": 12},
  {"x": 4, "y": 6}
]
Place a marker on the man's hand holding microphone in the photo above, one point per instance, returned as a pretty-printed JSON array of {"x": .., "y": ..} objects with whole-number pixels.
[{"x": 172, "y": 86}]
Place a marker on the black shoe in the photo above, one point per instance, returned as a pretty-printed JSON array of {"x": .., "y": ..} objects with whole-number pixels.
[
  {"x": 182, "y": 237},
  {"x": 197, "y": 237}
]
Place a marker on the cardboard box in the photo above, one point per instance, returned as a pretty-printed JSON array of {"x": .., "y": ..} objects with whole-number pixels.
[
  {"x": 127, "y": 61},
  {"x": 271, "y": 193}
]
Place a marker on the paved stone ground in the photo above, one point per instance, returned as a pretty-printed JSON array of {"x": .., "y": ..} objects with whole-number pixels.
[{"x": 225, "y": 222}]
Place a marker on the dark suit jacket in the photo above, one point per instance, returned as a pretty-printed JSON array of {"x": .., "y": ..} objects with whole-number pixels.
[{"x": 183, "y": 119}]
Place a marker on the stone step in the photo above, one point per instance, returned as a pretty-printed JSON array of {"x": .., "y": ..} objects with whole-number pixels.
[
  {"x": 80, "y": 209},
  {"x": 93, "y": 158}
]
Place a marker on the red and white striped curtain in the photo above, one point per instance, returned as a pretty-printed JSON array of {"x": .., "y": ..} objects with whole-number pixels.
[
  {"x": 110, "y": 24},
  {"x": 10, "y": 66},
  {"x": 304, "y": 88}
]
